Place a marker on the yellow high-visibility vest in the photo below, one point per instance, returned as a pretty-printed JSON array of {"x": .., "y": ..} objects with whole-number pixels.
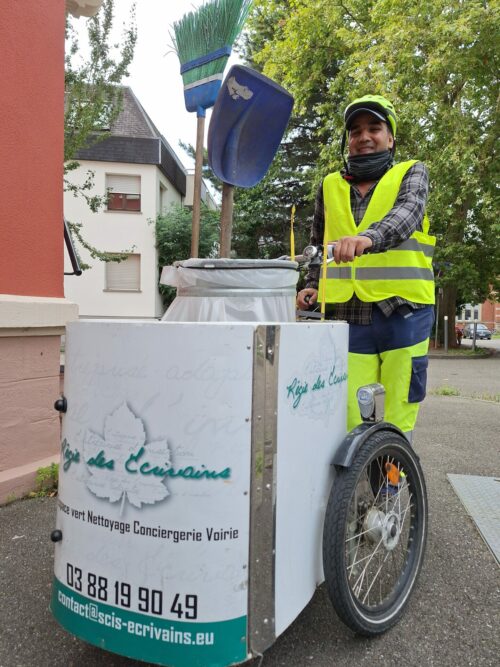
[{"x": 404, "y": 271}]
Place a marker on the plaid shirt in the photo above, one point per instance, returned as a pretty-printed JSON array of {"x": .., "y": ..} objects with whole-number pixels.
[{"x": 404, "y": 218}]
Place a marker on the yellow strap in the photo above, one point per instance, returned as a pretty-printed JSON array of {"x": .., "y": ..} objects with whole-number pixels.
[
  {"x": 292, "y": 235},
  {"x": 323, "y": 278}
]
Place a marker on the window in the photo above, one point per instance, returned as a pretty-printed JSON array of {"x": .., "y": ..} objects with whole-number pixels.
[
  {"x": 124, "y": 192},
  {"x": 124, "y": 276}
]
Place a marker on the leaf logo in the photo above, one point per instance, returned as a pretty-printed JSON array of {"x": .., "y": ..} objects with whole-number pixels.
[{"x": 106, "y": 459}]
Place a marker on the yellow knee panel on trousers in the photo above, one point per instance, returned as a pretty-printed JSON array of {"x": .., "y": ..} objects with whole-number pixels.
[{"x": 396, "y": 370}]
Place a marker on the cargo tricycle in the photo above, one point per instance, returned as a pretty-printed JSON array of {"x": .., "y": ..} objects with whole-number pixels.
[{"x": 208, "y": 484}]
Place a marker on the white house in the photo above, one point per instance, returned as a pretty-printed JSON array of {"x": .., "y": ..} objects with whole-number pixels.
[{"x": 144, "y": 176}]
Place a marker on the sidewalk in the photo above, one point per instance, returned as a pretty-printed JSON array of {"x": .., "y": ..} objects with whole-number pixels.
[{"x": 452, "y": 619}]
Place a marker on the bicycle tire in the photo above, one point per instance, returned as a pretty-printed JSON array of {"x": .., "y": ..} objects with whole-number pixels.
[{"x": 370, "y": 524}]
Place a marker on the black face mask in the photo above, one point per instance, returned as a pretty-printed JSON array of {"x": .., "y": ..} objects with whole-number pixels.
[{"x": 368, "y": 167}]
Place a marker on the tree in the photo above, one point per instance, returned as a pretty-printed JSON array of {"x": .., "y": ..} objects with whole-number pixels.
[
  {"x": 438, "y": 62},
  {"x": 262, "y": 214},
  {"x": 173, "y": 239},
  {"x": 93, "y": 101}
]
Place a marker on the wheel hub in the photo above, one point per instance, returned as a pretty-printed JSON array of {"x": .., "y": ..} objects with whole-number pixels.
[
  {"x": 391, "y": 531},
  {"x": 379, "y": 526}
]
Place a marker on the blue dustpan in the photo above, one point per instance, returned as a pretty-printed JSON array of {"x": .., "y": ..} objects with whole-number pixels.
[{"x": 248, "y": 121}]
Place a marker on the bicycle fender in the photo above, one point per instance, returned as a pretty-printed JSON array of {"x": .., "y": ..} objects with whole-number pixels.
[{"x": 345, "y": 454}]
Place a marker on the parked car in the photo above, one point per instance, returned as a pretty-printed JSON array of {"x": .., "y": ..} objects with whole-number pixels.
[{"x": 482, "y": 331}]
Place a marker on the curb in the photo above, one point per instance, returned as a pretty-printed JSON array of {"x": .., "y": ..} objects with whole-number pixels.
[
  {"x": 459, "y": 358},
  {"x": 488, "y": 353}
]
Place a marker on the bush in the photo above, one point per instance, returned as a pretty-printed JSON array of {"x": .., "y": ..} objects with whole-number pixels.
[
  {"x": 46, "y": 481},
  {"x": 173, "y": 239}
]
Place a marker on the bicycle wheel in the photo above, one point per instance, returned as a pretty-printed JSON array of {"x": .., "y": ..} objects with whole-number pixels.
[{"x": 374, "y": 534}]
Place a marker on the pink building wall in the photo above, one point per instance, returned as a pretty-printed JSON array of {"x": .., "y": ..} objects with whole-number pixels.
[
  {"x": 33, "y": 310},
  {"x": 31, "y": 136}
]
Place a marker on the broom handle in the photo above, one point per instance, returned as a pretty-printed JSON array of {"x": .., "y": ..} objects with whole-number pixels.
[
  {"x": 198, "y": 166},
  {"x": 226, "y": 220}
]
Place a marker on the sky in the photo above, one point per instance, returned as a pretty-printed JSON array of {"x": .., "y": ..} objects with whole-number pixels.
[{"x": 154, "y": 73}]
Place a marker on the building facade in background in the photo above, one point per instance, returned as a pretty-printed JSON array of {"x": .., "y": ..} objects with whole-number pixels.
[
  {"x": 488, "y": 313},
  {"x": 143, "y": 177}
]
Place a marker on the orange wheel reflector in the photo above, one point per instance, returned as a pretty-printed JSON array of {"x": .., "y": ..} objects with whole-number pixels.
[{"x": 393, "y": 475}]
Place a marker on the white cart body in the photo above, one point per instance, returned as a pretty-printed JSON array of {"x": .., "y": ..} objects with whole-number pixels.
[{"x": 195, "y": 470}]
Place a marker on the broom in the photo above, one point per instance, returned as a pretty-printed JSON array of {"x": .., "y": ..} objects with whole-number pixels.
[{"x": 203, "y": 40}]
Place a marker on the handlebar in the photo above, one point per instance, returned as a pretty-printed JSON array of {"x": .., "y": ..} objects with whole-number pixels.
[{"x": 312, "y": 254}]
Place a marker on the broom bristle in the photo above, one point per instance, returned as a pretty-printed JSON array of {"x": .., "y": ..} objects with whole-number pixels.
[{"x": 215, "y": 24}]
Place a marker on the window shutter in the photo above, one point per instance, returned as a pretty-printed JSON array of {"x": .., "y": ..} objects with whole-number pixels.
[
  {"x": 124, "y": 275},
  {"x": 125, "y": 184}
]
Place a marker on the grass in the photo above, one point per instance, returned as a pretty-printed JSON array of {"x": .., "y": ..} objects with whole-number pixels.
[
  {"x": 462, "y": 351},
  {"x": 11, "y": 497},
  {"x": 494, "y": 398},
  {"x": 46, "y": 481},
  {"x": 445, "y": 390}
]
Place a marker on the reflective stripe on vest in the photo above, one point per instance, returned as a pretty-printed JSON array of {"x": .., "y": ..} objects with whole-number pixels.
[
  {"x": 413, "y": 244},
  {"x": 375, "y": 273},
  {"x": 404, "y": 271},
  {"x": 407, "y": 273},
  {"x": 343, "y": 272}
]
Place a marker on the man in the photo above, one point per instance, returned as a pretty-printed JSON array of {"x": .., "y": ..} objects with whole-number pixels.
[{"x": 382, "y": 281}]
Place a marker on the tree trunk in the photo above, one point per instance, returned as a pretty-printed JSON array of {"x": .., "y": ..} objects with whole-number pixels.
[
  {"x": 448, "y": 306},
  {"x": 448, "y": 299}
]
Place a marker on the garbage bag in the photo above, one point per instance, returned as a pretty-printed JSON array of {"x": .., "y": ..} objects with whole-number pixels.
[{"x": 232, "y": 290}]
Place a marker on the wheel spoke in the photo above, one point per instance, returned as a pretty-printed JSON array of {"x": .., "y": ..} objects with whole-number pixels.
[
  {"x": 361, "y": 560},
  {"x": 368, "y": 560},
  {"x": 375, "y": 576}
]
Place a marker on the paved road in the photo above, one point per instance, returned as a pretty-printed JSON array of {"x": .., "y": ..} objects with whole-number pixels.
[{"x": 453, "y": 617}]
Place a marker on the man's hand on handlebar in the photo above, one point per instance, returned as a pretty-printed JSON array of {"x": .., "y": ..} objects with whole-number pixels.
[
  {"x": 344, "y": 250},
  {"x": 306, "y": 298},
  {"x": 349, "y": 247}
]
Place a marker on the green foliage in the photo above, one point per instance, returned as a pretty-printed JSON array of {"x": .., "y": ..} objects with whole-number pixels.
[
  {"x": 76, "y": 231},
  {"x": 262, "y": 214},
  {"x": 494, "y": 398},
  {"x": 438, "y": 62},
  {"x": 173, "y": 239},
  {"x": 445, "y": 390},
  {"x": 46, "y": 481},
  {"x": 92, "y": 86},
  {"x": 92, "y": 103}
]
